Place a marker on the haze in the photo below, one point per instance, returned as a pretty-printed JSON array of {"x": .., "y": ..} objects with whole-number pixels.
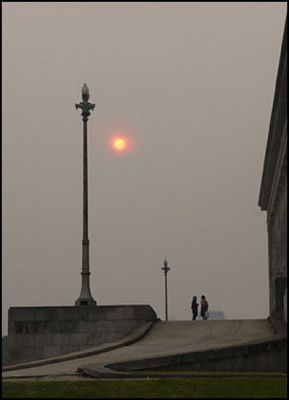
[{"x": 192, "y": 86}]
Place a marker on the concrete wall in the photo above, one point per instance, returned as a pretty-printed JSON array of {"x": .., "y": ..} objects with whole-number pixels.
[
  {"x": 36, "y": 333},
  {"x": 277, "y": 232},
  {"x": 285, "y": 305},
  {"x": 4, "y": 350}
]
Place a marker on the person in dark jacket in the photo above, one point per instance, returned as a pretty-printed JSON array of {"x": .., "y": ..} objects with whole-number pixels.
[{"x": 194, "y": 307}]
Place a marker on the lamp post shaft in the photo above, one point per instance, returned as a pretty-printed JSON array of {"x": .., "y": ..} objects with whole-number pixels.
[
  {"x": 85, "y": 241},
  {"x": 85, "y": 183},
  {"x": 85, "y": 297},
  {"x": 165, "y": 268},
  {"x": 166, "y": 296}
]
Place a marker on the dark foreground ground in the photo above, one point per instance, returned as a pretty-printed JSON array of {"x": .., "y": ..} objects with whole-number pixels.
[{"x": 196, "y": 387}]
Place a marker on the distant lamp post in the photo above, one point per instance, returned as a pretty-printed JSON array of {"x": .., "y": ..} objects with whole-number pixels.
[
  {"x": 165, "y": 268},
  {"x": 85, "y": 297}
]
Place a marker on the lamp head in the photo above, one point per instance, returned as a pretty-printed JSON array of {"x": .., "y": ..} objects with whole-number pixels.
[{"x": 85, "y": 92}]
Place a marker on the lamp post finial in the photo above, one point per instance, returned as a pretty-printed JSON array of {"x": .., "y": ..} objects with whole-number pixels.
[{"x": 85, "y": 92}]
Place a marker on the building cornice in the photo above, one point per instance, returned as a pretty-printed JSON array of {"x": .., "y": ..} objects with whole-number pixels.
[{"x": 277, "y": 128}]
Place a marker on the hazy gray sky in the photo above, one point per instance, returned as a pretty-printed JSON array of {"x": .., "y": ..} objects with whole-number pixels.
[{"x": 192, "y": 86}]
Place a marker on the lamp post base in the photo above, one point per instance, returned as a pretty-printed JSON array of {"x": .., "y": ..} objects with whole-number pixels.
[
  {"x": 85, "y": 302},
  {"x": 85, "y": 298}
]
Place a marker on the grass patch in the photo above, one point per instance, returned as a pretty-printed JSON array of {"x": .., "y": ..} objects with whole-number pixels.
[{"x": 236, "y": 387}]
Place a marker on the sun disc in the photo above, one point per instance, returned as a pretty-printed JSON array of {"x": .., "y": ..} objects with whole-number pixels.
[{"x": 119, "y": 144}]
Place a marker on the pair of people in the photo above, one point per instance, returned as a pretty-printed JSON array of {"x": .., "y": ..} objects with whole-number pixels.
[{"x": 204, "y": 308}]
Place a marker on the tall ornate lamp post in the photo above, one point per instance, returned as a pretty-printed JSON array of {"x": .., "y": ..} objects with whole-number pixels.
[
  {"x": 85, "y": 297},
  {"x": 165, "y": 268}
]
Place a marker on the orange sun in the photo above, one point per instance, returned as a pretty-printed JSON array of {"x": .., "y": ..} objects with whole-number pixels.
[{"x": 119, "y": 144}]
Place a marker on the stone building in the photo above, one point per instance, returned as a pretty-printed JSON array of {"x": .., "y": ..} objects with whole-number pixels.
[{"x": 273, "y": 192}]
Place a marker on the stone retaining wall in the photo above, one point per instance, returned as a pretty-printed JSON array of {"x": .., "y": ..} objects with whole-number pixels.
[{"x": 36, "y": 333}]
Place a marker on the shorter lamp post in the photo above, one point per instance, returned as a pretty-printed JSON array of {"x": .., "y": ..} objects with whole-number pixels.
[{"x": 165, "y": 268}]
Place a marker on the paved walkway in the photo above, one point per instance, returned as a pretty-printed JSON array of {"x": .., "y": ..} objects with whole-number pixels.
[{"x": 165, "y": 338}]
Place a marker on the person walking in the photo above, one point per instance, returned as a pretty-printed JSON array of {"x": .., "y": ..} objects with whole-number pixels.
[
  {"x": 204, "y": 308},
  {"x": 194, "y": 307}
]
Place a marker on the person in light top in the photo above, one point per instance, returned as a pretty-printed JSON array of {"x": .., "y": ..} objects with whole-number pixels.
[{"x": 204, "y": 308}]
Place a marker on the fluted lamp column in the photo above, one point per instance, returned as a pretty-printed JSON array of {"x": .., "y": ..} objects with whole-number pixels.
[{"x": 85, "y": 297}]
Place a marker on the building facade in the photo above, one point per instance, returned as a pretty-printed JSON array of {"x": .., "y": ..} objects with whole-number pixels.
[{"x": 273, "y": 191}]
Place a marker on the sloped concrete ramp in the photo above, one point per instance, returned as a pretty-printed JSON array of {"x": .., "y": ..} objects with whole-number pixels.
[
  {"x": 240, "y": 345},
  {"x": 188, "y": 345}
]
